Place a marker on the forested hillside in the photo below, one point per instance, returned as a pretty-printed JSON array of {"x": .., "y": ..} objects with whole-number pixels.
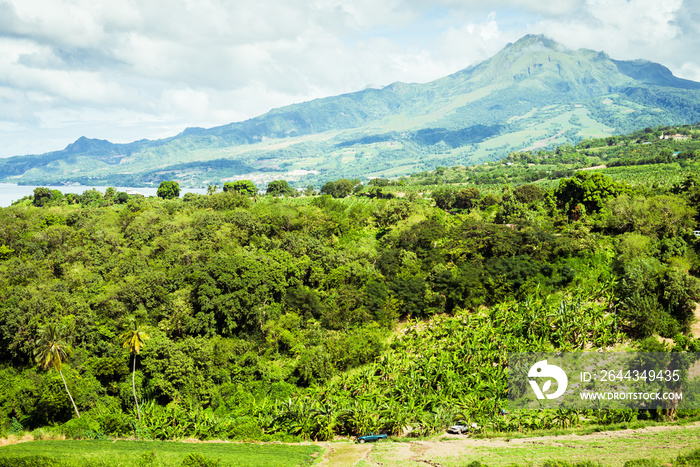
[{"x": 394, "y": 305}]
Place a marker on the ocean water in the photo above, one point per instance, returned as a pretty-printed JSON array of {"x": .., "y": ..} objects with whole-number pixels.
[{"x": 10, "y": 192}]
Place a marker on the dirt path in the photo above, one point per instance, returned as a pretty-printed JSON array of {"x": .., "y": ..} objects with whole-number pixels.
[
  {"x": 695, "y": 328},
  {"x": 660, "y": 442},
  {"x": 337, "y": 454},
  {"x": 595, "y": 167}
]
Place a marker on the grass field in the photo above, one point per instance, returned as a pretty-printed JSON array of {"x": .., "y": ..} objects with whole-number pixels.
[
  {"x": 659, "y": 445},
  {"x": 158, "y": 453}
]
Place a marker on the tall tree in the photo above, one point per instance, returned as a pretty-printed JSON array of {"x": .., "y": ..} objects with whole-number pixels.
[
  {"x": 339, "y": 188},
  {"x": 42, "y": 195},
  {"x": 244, "y": 187},
  {"x": 279, "y": 188},
  {"x": 168, "y": 190},
  {"x": 51, "y": 350},
  {"x": 591, "y": 190},
  {"x": 134, "y": 340}
]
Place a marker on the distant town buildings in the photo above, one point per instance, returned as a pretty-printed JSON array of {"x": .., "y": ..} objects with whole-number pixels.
[{"x": 676, "y": 137}]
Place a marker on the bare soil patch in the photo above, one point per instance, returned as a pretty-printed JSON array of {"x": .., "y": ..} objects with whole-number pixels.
[
  {"x": 344, "y": 454},
  {"x": 695, "y": 328},
  {"x": 595, "y": 167},
  {"x": 12, "y": 439},
  {"x": 612, "y": 447}
]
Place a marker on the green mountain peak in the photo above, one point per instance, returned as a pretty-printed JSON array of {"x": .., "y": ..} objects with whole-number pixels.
[
  {"x": 538, "y": 62},
  {"x": 532, "y": 94},
  {"x": 530, "y": 40}
]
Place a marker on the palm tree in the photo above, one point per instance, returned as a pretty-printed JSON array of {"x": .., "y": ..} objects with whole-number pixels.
[
  {"x": 134, "y": 340},
  {"x": 50, "y": 352}
]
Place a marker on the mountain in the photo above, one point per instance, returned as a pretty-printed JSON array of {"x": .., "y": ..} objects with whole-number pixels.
[{"x": 535, "y": 93}]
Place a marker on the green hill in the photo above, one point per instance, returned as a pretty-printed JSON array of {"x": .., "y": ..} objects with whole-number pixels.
[
  {"x": 312, "y": 316},
  {"x": 533, "y": 94}
]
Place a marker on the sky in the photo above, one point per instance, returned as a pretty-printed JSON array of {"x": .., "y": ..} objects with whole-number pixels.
[{"x": 124, "y": 70}]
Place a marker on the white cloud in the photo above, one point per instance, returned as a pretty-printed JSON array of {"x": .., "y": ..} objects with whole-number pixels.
[
  {"x": 112, "y": 69},
  {"x": 473, "y": 41},
  {"x": 68, "y": 23},
  {"x": 640, "y": 20},
  {"x": 628, "y": 30},
  {"x": 185, "y": 101},
  {"x": 689, "y": 71}
]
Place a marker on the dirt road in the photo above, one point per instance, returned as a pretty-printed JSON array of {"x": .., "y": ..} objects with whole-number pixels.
[{"x": 611, "y": 448}]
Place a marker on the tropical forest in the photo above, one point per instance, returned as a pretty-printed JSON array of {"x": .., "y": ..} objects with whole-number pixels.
[{"x": 294, "y": 314}]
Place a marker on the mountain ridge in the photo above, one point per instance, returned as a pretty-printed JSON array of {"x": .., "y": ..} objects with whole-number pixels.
[{"x": 533, "y": 92}]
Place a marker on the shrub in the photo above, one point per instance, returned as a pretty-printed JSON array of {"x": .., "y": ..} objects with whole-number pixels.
[
  {"x": 46, "y": 433},
  {"x": 16, "y": 426},
  {"x": 115, "y": 423},
  {"x": 81, "y": 428},
  {"x": 29, "y": 461},
  {"x": 643, "y": 463},
  {"x": 692, "y": 459},
  {"x": 197, "y": 460},
  {"x": 147, "y": 459},
  {"x": 644, "y": 313},
  {"x": 553, "y": 463}
]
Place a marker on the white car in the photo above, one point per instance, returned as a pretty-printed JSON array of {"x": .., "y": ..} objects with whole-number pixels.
[{"x": 461, "y": 429}]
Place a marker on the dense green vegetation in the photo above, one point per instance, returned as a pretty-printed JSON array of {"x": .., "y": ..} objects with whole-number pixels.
[
  {"x": 269, "y": 317},
  {"x": 640, "y": 158}
]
